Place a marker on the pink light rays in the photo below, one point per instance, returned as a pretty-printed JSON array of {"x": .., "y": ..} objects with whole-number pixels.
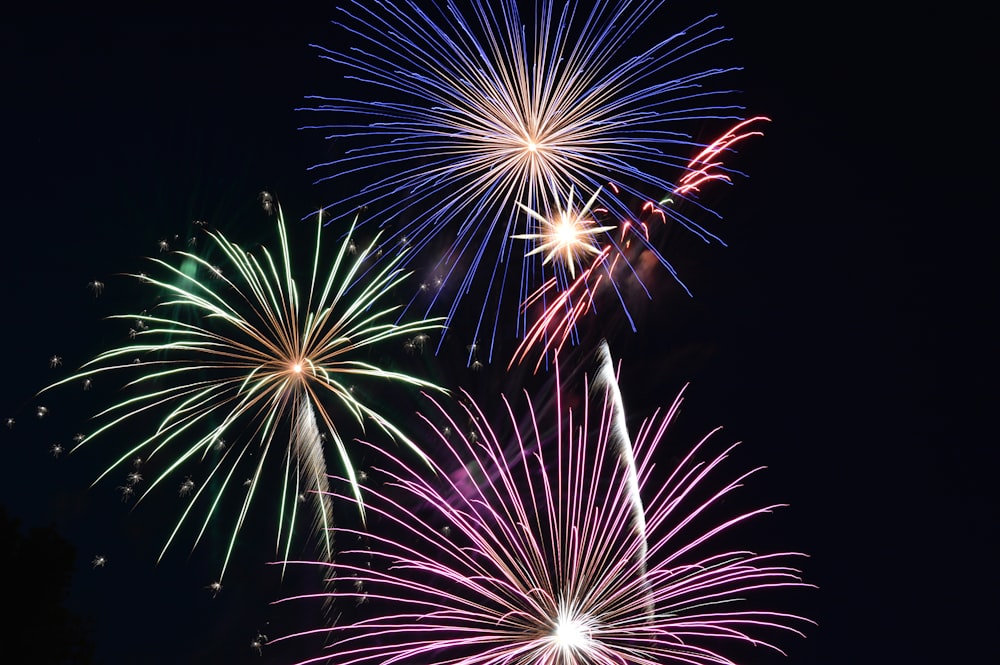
[{"x": 545, "y": 542}]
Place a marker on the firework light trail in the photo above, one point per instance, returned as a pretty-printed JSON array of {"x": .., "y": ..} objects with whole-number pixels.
[
  {"x": 706, "y": 166},
  {"x": 563, "y": 303},
  {"x": 541, "y": 549},
  {"x": 236, "y": 367},
  {"x": 469, "y": 112}
]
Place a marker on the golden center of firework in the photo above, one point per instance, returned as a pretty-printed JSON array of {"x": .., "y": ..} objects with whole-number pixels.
[
  {"x": 533, "y": 144},
  {"x": 569, "y": 229},
  {"x": 299, "y": 369}
]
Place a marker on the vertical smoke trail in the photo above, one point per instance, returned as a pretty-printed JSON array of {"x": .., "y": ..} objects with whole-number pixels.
[
  {"x": 307, "y": 448},
  {"x": 606, "y": 381}
]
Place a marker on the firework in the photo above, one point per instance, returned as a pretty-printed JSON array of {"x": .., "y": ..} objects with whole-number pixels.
[
  {"x": 239, "y": 366},
  {"x": 562, "y": 302},
  {"x": 569, "y": 234},
  {"x": 470, "y": 112},
  {"x": 560, "y": 545}
]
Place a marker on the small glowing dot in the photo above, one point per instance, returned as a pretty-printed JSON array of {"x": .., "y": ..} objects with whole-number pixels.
[
  {"x": 531, "y": 146},
  {"x": 297, "y": 368}
]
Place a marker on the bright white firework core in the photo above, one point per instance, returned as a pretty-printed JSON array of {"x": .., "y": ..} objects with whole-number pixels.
[
  {"x": 571, "y": 634},
  {"x": 567, "y": 231},
  {"x": 297, "y": 368}
]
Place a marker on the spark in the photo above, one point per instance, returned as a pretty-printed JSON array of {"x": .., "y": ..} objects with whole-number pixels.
[
  {"x": 553, "y": 328},
  {"x": 704, "y": 167}
]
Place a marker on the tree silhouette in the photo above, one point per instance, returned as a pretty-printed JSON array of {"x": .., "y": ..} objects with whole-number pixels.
[{"x": 37, "y": 570}]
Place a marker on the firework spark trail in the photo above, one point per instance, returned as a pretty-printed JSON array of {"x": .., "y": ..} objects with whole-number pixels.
[
  {"x": 703, "y": 169},
  {"x": 562, "y": 306},
  {"x": 471, "y": 111},
  {"x": 606, "y": 382},
  {"x": 306, "y": 446},
  {"x": 557, "y": 322},
  {"x": 531, "y": 551},
  {"x": 242, "y": 357}
]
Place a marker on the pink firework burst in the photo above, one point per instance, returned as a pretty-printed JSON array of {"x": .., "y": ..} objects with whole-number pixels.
[{"x": 558, "y": 545}]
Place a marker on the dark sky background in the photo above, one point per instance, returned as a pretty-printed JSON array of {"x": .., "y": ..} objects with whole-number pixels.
[{"x": 844, "y": 334}]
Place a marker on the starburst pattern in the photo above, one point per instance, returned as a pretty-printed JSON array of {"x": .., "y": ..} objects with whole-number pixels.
[
  {"x": 559, "y": 545},
  {"x": 241, "y": 368},
  {"x": 567, "y": 233}
]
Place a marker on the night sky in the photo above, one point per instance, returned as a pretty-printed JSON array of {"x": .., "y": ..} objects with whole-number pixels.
[{"x": 844, "y": 334}]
